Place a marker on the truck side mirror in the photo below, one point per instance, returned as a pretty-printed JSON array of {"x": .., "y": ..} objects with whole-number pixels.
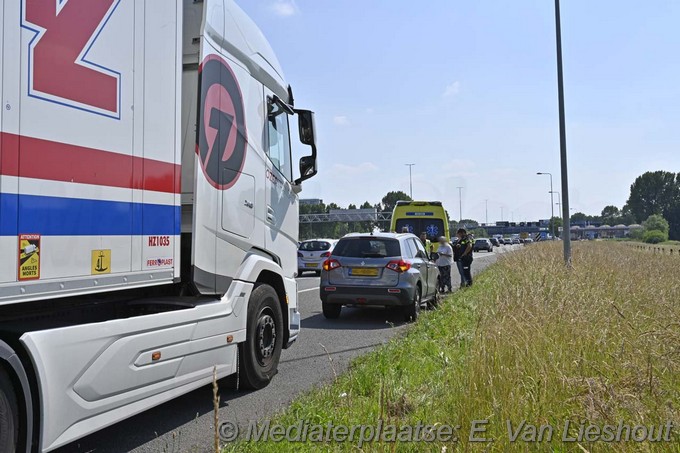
[
  {"x": 306, "y": 127},
  {"x": 308, "y": 137},
  {"x": 307, "y": 168}
]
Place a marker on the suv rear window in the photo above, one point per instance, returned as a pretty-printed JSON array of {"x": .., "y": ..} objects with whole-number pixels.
[
  {"x": 367, "y": 247},
  {"x": 315, "y": 246}
]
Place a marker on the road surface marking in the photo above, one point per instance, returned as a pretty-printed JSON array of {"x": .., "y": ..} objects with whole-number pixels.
[{"x": 307, "y": 290}]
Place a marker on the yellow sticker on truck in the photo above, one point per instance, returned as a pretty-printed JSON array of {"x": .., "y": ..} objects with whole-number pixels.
[
  {"x": 101, "y": 262},
  {"x": 29, "y": 257}
]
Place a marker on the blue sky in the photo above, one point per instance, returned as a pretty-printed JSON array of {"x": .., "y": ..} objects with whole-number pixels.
[{"x": 466, "y": 90}]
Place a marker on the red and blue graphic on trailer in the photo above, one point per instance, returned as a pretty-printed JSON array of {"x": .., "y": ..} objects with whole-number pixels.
[{"x": 58, "y": 71}]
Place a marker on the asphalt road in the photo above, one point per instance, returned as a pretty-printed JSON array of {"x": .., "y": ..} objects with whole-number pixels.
[{"x": 185, "y": 423}]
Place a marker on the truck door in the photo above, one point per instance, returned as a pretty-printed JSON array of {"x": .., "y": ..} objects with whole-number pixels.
[
  {"x": 281, "y": 218},
  {"x": 225, "y": 203}
]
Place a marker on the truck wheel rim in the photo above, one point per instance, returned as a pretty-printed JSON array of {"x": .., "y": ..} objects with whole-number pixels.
[{"x": 266, "y": 337}]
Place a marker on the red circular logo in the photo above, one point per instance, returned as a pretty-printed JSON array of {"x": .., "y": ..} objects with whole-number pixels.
[{"x": 221, "y": 140}]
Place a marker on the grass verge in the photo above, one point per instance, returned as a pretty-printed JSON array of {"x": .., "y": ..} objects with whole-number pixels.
[{"x": 599, "y": 344}]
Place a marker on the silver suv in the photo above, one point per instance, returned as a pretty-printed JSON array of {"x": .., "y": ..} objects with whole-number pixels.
[{"x": 388, "y": 269}]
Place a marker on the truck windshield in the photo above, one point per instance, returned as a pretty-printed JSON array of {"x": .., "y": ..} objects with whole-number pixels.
[{"x": 367, "y": 247}]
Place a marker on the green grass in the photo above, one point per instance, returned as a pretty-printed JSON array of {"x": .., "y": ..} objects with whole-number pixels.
[{"x": 531, "y": 341}]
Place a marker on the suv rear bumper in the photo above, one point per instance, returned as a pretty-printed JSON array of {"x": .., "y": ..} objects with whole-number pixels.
[{"x": 362, "y": 295}]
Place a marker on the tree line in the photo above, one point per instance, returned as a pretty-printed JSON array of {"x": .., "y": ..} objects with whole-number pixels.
[
  {"x": 654, "y": 194},
  {"x": 339, "y": 229},
  {"x": 334, "y": 230}
]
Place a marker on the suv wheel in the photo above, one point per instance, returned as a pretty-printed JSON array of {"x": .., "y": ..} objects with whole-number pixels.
[
  {"x": 331, "y": 311},
  {"x": 434, "y": 301},
  {"x": 412, "y": 311}
]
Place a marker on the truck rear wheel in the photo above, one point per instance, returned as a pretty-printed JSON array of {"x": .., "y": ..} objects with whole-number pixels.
[
  {"x": 9, "y": 423},
  {"x": 259, "y": 354}
]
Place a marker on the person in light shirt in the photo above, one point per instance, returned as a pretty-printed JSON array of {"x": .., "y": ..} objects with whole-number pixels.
[{"x": 444, "y": 262}]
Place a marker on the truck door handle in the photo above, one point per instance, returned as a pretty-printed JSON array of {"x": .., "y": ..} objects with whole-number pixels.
[{"x": 248, "y": 204}]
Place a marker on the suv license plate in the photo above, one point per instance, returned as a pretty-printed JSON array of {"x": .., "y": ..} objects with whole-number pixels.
[{"x": 364, "y": 271}]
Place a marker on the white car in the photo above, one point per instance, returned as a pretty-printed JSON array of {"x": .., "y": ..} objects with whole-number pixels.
[{"x": 312, "y": 254}]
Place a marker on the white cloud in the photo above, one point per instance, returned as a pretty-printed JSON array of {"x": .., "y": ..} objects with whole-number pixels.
[
  {"x": 451, "y": 90},
  {"x": 341, "y": 120},
  {"x": 284, "y": 8}
]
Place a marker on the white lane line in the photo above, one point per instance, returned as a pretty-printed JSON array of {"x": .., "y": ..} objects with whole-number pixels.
[{"x": 307, "y": 290}]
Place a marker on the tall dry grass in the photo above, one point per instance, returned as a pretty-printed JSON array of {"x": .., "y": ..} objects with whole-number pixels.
[{"x": 599, "y": 342}]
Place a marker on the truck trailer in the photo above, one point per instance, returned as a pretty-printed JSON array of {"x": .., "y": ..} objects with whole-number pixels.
[{"x": 148, "y": 209}]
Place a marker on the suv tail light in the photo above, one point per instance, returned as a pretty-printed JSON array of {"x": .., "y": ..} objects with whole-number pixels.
[
  {"x": 326, "y": 255},
  {"x": 329, "y": 265},
  {"x": 398, "y": 266}
]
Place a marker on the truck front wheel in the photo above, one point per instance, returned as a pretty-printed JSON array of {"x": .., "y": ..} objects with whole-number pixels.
[
  {"x": 9, "y": 423},
  {"x": 259, "y": 355}
]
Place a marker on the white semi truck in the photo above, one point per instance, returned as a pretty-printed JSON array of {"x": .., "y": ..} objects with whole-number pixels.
[{"x": 148, "y": 209}]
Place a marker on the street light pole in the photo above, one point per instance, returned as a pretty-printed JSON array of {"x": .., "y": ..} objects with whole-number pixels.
[
  {"x": 486, "y": 211},
  {"x": 410, "y": 180},
  {"x": 559, "y": 203},
  {"x": 460, "y": 202},
  {"x": 501, "y": 213},
  {"x": 552, "y": 204},
  {"x": 566, "y": 221}
]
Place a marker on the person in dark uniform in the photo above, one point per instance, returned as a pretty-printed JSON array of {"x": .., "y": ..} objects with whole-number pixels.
[
  {"x": 426, "y": 243},
  {"x": 462, "y": 255}
]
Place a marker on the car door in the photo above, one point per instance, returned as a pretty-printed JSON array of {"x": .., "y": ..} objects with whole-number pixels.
[
  {"x": 420, "y": 262},
  {"x": 429, "y": 267}
]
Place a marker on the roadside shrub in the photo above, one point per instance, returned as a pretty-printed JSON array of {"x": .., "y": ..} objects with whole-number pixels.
[
  {"x": 656, "y": 222},
  {"x": 654, "y": 237}
]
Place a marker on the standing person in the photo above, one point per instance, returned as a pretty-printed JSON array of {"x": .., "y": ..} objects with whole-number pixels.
[
  {"x": 462, "y": 255},
  {"x": 444, "y": 262},
  {"x": 426, "y": 243}
]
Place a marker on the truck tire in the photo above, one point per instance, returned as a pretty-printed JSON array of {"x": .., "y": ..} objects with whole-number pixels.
[
  {"x": 331, "y": 311},
  {"x": 9, "y": 422},
  {"x": 259, "y": 354}
]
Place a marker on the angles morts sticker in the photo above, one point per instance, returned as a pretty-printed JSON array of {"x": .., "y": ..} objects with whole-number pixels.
[
  {"x": 29, "y": 257},
  {"x": 221, "y": 139}
]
